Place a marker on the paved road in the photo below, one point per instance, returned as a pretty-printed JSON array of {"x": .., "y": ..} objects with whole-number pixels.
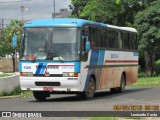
[{"x": 103, "y": 101}]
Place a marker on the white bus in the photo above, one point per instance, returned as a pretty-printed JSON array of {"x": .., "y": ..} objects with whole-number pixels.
[{"x": 76, "y": 56}]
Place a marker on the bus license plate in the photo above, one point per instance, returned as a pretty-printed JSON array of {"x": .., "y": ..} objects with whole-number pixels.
[{"x": 48, "y": 88}]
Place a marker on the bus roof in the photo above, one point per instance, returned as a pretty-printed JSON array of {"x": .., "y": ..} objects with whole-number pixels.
[{"x": 71, "y": 22}]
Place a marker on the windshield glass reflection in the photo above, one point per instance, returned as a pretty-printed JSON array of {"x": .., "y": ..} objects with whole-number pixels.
[{"x": 51, "y": 44}]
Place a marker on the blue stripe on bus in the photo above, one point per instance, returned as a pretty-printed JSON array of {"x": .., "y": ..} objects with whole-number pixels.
[
  {"x": 77, "y": 67},
  {"x": 20, "y": 66},
  {"x": 94, "y": 57},
  {"x": 94, "y": 60},
  {"x": 43, "y": 68},
  {"x": 40, "y": 65},
  {"x": 90, "y": 71},
  {"x": 101, "y": 57}
]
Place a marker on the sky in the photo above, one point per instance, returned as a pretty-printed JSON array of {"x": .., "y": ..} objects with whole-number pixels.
[{"x": 33, "y": 9}]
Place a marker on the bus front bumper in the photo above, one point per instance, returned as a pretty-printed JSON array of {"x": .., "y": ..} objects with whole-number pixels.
[{"x": 50, "y": 84}]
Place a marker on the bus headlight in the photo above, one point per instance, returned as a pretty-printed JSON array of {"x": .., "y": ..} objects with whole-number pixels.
[
  {"x": 30, "y": 74},
  {"x": 70, "y": 74}
]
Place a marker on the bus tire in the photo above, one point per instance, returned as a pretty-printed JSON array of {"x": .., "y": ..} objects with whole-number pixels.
[
  {"x": 40, "y": 95},
  {"x": 90, "y": 90},
  {"x": 122, "y": 84}
]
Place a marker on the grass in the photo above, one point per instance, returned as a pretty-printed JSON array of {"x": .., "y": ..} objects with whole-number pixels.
[
  {"x": 5, "y": 75},
  {"x": 147, "y": 81},
  {"x": 26, "y": 94}
]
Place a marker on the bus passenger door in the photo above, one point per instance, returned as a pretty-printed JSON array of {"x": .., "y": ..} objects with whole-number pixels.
[{"x": 84, "y": 53}]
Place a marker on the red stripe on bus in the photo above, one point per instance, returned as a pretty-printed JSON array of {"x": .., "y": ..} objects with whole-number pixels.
[
  {"x": 60, "y": 65},
  {"x": 115, "y": 61}
]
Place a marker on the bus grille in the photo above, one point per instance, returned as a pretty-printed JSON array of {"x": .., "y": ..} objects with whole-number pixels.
[{"x": 47, "y": 84}]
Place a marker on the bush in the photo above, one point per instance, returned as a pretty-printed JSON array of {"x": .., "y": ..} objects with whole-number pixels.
[
  {"x": 157, "y": 67},
  {"x": 140, "y": 75},
  {"x": 140, "y": 72}
]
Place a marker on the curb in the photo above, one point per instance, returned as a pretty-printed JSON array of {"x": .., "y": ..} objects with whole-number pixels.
[{"x": 8, "y": 97}]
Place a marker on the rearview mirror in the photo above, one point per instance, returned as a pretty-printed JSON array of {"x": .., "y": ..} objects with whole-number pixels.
[{"x": 88, "y": 44}]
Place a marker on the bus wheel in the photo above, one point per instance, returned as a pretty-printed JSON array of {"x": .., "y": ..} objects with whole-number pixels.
[
  {"x": 122, "y": 84},
  {"x": 40, "y": 95},
  {"x": 91, "y": 90}
]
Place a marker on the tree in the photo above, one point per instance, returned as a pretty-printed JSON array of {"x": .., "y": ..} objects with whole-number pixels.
[
  {"x": 122, "y": 13},
  {"x": 115, "y": 12},
  {"x": 147, "y": 23},
  {"x": 15, "y": 26},
  {"x": 77, "y": 7}
]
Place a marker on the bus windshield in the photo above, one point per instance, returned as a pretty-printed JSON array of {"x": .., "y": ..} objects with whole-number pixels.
[{"x": 58, "y": 44}]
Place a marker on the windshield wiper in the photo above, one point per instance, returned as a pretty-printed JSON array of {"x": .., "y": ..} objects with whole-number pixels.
[{"x": 61, "y": 59}]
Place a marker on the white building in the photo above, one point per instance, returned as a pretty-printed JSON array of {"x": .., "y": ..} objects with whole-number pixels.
[{"x": 64, "y": 13}]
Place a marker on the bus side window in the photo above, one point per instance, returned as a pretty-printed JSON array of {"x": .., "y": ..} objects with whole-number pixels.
[
  {"x": 102, "y": 38},
  {"x": 106, "y": 42},
  {"x": 125, "y": 40},
  {"x": 131, "y": 41},
  {"x": 111, "y": 38},
  {"x": 120, "y": 40},
  {"x": 136, "y": 41},
  {"x": 93, "y": 36},
  {"x": 116, "y": 40}
]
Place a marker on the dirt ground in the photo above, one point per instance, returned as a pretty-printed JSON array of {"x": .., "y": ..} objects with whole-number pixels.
[{"x": 6, "y": 65}]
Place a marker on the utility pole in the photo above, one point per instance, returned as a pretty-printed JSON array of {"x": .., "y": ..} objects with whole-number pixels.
[
  {"x": 2, "y": 24},
  {"x": 54, "y": 8},
  {"x": 22, "y": 10}
]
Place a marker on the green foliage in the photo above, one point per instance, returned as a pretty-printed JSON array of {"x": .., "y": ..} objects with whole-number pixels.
[
  {"x": 148, "y": 26},
  {"x": 147, "y": 23},
  {"x": 77, "y": 7},
  {"x": 116, "y": 12},
  {"x": 15, "y": 26},
  {"x": 141, "y": 74},
  {"x": 157, "y": 67},
  {"x": 26, "y": 93},
  {"x": 90, "y": 10},
  {"x": 5, "y": 75},
  {"x": 147, "y": 81},
  {"x": 142, "y": 14},
  {"x": 118, "y": 1}
]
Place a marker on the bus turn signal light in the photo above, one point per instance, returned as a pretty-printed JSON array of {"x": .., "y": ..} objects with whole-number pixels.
[
  {"x": 71, "y": 74},
  {"x": 30, "y": 74}
]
